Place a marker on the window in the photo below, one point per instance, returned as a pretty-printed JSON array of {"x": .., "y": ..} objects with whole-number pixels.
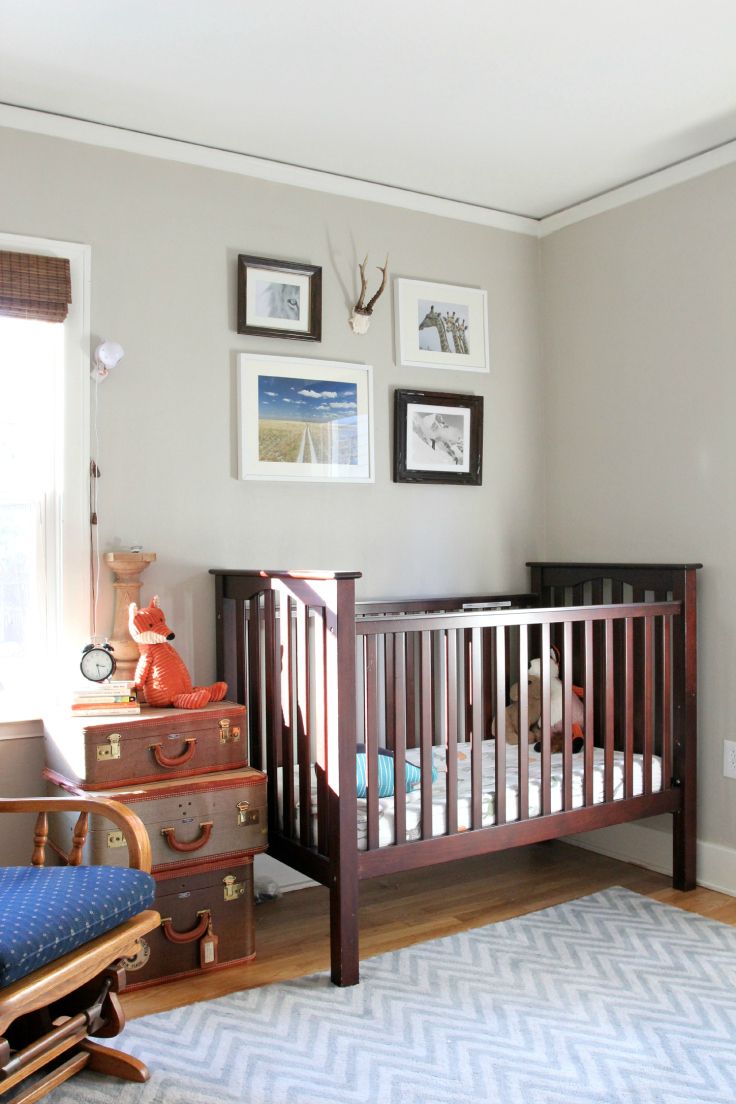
[{"x": 44, "y": 459}]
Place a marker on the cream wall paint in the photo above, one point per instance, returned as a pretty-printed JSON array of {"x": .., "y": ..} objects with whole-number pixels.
[
  {"x": 639, "y": 350},
  {"x": 164, "y": 238}
]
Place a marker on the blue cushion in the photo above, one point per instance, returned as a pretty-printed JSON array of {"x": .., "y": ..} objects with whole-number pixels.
[
  {"x": 45, "y": 912},
  {"x": 413, "y": 775}
]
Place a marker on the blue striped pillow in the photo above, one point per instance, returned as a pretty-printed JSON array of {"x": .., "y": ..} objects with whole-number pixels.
[{"x": 413, "y": 775}]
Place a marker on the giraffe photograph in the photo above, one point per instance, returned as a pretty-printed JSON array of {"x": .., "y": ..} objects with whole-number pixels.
[
  {"x": 441, "y": 326},
  {"x": 444, "y": 327}
]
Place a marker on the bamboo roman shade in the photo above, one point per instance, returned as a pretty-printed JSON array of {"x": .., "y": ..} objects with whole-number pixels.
[{"x": 38, "y": 288}]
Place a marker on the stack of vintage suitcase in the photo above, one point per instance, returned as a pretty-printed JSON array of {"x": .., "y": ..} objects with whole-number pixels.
[{"x": 186, "y": 774}]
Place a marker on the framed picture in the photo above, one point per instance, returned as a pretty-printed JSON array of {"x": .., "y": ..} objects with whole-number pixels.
[
  {"x": 279, "y": 299},
  {"x": 441, "y": 326},
  {"x": 438, "y": 437},
  {"x": 304, "y": 420}
]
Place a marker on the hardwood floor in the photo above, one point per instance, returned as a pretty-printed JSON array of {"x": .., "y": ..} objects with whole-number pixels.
[{"x": 292, "y": 932}]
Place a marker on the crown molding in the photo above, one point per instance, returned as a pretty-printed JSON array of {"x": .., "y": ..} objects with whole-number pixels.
[
  {"x": 668, "y": 177},
  {"x": 170, "y": 149},
  {"x": 190, "y": 153}
]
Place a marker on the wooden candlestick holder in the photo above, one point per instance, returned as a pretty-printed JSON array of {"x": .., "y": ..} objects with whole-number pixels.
[{"x": 127, "y": 568}]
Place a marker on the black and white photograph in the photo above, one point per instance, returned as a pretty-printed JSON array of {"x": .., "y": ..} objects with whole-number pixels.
[
  {"x": 438, "y": 437},
  {"x": 279, "y": 298},
  {"x": 441, "y": 326}
]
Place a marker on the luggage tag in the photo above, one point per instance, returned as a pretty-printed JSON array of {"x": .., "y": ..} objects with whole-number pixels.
[{"x": 208, "y": 948}]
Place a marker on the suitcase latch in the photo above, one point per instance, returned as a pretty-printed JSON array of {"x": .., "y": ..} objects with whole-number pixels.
[
  {"x": 229, "y": 734},
  {"x": 247, "y": 815},
  {"x": 111, "y": 750},
  {"x": 116, "y": 839},
  {"x": 233, "y": 888}
]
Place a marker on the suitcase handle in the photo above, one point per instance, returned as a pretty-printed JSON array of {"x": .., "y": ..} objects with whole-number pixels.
[
  {"x": 169, "y": 835},
  {"x": 167, "y": 761},
  {"x": 187, "y": 937}
]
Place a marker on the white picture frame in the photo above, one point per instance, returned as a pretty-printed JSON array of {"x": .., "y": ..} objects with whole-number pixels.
[
  {"x": 304, "y": 420},
  {"x": 441, "y": 326}
]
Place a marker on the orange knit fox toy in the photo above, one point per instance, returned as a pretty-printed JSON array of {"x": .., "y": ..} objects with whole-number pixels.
[{"x": 161, "y": 672}]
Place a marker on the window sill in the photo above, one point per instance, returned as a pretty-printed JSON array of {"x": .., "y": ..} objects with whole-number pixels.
[{"x": 20, "y": 721}]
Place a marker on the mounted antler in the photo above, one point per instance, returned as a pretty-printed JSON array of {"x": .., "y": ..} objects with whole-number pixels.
[{"x": 362, "y": 311}]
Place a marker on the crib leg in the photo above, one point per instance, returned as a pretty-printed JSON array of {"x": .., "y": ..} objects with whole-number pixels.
[
  {"x": 684, "y": 842},
  {"x": 344, "y": 931}
]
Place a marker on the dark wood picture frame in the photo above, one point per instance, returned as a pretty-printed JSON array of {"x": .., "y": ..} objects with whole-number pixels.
[
  {"x": 455, "y": 437},
  {"x": 280, "y": 323}
]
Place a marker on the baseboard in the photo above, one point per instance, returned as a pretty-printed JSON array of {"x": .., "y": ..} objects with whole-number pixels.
[{"x": 648, "y": 847}]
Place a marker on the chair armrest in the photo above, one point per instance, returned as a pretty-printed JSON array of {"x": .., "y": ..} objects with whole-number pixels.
[{"x": 131, "y": 825}]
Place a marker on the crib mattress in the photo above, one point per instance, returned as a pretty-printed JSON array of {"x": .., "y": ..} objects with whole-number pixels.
[{"x": 386, "y": 828}]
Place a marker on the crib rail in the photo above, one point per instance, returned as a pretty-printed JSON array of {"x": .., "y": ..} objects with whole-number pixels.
[
  {"x": 431, "y": 683},
  {"x": 429, "y": 686}
]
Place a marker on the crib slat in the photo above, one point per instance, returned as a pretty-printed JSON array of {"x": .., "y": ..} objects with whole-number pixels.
[
  {"x": 588, "y": 705},
  {"x": 287, "y": 714},
  {"x": 659, "y": 628},
  {"x": 523, "y": 748},
  {"x": 567, "y": 714},
  {"x": 451, "y": 660},
  {"x": 272, "y": 691},
  {"x": 389, "y": 706},
  {"x": 546, "y": 772},
  {"x": 425, "y": 698},
  {"x": 501, "y": 731},
  {"x": 370, "y": 696},
  {"x": 629, "y": 667},
  {"x": 320, "y": 725},
  {"x": 398, "y": 730},
  {"x": 411, "y": 711},
  {"x": 303, "y": 729},
  {"x": 596, "y": 597},
  {"x": 476, "y": 745},
  {"x": 617, "y": 597},
  {"x": 610, "y": 704},
  {"x": 648, "y": 703},
  {"x": 666, "y": 701},
  {"x": 241, "y": 657},
  {"x": 254, "y": 658}
]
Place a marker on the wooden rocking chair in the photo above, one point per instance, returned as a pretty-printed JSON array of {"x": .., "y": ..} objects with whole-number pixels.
[{"x": 64, "y": 933}]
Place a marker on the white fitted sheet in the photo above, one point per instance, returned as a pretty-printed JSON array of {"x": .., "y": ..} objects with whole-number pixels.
[{"x": 488, "y": 801}]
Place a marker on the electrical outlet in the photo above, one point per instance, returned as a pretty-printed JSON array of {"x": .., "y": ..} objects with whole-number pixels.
[{"x": 729, "y": 758}]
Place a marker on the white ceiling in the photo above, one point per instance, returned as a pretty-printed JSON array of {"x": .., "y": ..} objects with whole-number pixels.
[{"x": 528, "y": 106}]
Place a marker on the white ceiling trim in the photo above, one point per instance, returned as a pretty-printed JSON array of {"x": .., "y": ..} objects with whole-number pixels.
[
  {"x": 170, "y": 149},
  {"x": 688, "y": 169}
]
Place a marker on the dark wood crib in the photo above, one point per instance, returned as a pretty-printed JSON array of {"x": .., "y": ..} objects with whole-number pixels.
[{"x": 329, "y": 682}]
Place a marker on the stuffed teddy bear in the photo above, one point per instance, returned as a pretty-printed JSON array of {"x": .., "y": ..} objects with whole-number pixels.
[
  {"x": 161, "y": 673},
  {"x": 534, "y": 682}
]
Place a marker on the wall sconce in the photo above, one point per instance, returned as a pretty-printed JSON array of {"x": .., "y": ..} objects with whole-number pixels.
[{"x": 106, "y": 356}]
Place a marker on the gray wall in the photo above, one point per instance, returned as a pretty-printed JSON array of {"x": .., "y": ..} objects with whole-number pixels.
[
  {"x": 164, "y": 240},
  {"x": 639, "y": 354}
]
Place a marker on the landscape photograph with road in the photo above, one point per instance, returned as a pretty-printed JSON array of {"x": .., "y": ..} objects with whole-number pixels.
[{"x": 307, "y": 421}]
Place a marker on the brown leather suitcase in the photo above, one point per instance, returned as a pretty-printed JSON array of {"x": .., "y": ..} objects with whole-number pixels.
[
  {"x": 219, "y": 815},
  {"x": 207, "y": 923},
  {"x": 106, "y": 752}
]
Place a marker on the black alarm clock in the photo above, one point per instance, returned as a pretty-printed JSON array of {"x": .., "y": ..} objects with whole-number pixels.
[{"x": 98, "y": 662}]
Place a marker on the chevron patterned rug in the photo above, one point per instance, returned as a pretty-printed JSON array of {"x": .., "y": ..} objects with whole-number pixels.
[{"x": 611, "y": 999}]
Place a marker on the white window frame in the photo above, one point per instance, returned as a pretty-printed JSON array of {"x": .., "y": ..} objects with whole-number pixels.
[{"x": 66, "y": 520}]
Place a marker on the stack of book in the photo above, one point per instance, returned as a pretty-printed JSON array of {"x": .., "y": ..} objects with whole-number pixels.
[{"x": 106, "y": 699}]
